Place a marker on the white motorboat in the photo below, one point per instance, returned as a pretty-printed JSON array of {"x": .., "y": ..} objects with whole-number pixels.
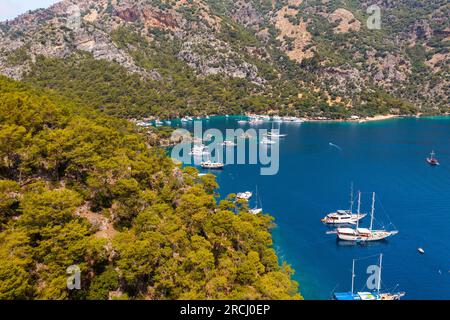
[
  {"x": 244, "y": 195},
  {"x": 346, "y": 216},
  {"x": 212, "y": 165},
  {"x": 342, "y": 217}
]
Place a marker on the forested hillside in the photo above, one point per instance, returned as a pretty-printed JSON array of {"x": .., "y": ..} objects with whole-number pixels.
[
  {"x": 81, "y": 188},
  {"x": 142, "y": 58}
]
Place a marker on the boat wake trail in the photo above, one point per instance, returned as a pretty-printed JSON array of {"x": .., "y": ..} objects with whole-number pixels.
[{"x": 335, "y": 146}]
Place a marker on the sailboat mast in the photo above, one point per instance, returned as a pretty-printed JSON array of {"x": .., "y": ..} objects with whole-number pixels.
[
  {"x": 351, "y": 198},
  {"x": 353, "y": 276},
  {"x": 359, "y": 202},
  {"x": 373, "y": 212},
  {"x": 256, "y": 196},
  {"x": 379, "y": 273},
  {"x": 359, "y": 209}
]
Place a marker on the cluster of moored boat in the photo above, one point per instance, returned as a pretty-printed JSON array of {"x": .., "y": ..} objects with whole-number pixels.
[
  {"x": 247, "y": 196},
  {"x": 344, "y": 219},
  {"x": 189, "y": 119},
  {"x": 358, "y": 234},
  {"x": 259, "y": 119},
  {"x": 251, "y": 119}
]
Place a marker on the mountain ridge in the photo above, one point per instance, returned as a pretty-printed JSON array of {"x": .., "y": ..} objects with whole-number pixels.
[{"x": 322, "y": 49}]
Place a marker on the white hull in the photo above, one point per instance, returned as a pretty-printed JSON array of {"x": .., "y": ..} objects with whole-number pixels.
[
  {"x": 350, "y": 219},
  {"x": 375, "y": 235},
  {"x": 255, "y": 211}
]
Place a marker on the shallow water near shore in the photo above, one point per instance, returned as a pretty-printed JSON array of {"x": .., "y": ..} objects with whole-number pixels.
[{"x": 318, "y": 162}]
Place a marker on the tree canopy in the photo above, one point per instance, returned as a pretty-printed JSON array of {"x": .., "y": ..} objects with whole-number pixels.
[{"x": 78, "y": 187}]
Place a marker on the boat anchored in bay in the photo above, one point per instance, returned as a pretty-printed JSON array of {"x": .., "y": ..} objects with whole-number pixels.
[
  {"x": 212, "y": 165},
  {"x": 244, "y": 195},
  {"x": 432, "y": 159},
  {"x": 365, "y": 296},
  {"x": 363, "y": 234},
  {"x": 256, "y": 210},
  {"x": 346, "y": 216}
]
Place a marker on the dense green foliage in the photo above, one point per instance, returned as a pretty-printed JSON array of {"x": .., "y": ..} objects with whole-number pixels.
[
  {"x": 78, "y": 187},
  {"x": 111, "y": 88}
]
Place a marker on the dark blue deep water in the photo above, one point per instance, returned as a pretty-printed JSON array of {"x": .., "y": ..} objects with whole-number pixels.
[{"x": 387, "y": 157}]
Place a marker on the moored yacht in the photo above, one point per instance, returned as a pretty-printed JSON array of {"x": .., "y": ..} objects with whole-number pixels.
[
  {"x": 346, "y": 216},
  {"x": 363, "y": 234},
  {"x": 432, "y": 159},
  {"x": 244, "y": 195},
  {"x": 212, "y": 165},
  {"x": 366, "y": 296},
  {"x": 256, "y": 210}
]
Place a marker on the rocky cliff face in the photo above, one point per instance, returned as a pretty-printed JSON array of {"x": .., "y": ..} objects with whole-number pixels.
[{"x": 328, "y": 40}]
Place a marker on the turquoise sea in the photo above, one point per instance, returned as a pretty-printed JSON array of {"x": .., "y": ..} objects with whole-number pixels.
[{"x": 318, "y": 162}]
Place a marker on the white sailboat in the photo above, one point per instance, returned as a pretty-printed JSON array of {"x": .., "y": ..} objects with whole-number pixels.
[
  {"x": 364, "y": 234},
  {"x": 346, "y": 216},
  {"x": 365, "y": 296},
  {"x": 256, "y": 210}
]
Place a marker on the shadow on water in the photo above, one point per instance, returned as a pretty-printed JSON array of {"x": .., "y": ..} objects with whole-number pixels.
[{"x": 363, "y": 244}]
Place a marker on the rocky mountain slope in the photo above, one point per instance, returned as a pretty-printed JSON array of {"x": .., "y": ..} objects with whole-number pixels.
[{"x": 311, "y": 58}]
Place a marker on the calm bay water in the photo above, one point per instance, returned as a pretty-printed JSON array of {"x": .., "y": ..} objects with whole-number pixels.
[{"x": 387, "y": 157}]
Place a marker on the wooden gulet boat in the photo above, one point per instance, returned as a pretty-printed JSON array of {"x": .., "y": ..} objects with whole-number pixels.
[
  {"x": 363, "y": 234},
  {"x": 365, "y": 296}
]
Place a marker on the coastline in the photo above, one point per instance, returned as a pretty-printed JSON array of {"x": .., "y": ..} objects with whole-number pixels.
[{"x": 357, "y": 120}]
